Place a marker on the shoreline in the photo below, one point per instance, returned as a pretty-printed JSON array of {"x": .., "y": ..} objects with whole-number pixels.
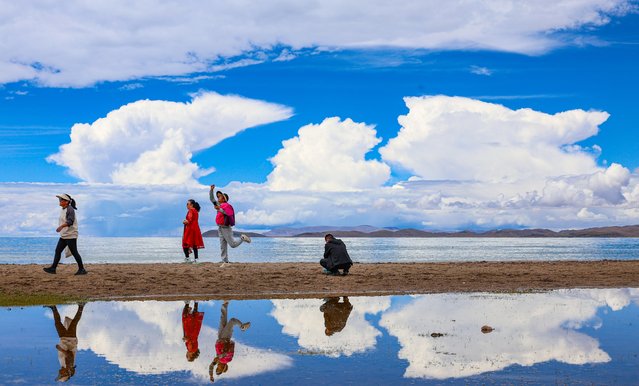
[{"x": 304, "y": 280}]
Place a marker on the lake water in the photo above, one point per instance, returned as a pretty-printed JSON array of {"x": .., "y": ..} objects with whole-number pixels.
[
  {"x": 168, "y": 249},
  {"x": 558, "y": 337}
]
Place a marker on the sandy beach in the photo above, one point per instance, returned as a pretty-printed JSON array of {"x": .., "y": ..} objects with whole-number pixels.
[{"x": 305, "y": 280}]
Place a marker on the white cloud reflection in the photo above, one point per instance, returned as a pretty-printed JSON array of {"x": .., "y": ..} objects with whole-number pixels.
[
  {"x": 529, "y": 329},
  {"x": 304, "y": 320},
  {"x": 145, "y": 337}
]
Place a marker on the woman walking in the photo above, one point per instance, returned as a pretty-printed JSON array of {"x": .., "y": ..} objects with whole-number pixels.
[
  {"x": 68, "y": 230},
  {"x": 192, "y": 236}
]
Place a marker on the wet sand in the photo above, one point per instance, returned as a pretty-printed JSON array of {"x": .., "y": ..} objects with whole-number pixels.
[{"x": 305, "y": 280}]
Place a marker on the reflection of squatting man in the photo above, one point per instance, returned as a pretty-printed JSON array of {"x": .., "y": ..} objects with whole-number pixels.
[
  {"x": 68, "y": 345},
  {"x": 335, "y": 314},
  {"x": 225, "y": 220},
  {"x": 224, "y": 346}
]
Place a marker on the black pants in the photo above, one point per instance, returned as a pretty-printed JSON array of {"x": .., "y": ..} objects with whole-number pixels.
[
  {"x": 186, "y": 252},
  {"x": 73, "y": 247},
  {"x": 63, "y": 331},
  {"x": 345, "y": 266}
]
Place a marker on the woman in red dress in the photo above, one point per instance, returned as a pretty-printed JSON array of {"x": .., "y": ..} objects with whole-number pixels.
[{"x": 192, "y": 237}]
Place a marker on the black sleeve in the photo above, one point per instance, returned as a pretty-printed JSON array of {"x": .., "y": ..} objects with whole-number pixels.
[
  {"x": 327, "y": 251},
  {"x": 212, "y": 197},
  {"x": 70, "y": 215}
]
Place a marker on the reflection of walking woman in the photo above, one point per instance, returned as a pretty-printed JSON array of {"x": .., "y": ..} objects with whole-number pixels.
[
  {"x": 224, "y": 346},
  {"x": 191, "y": 325},
  {"x": 68, "y": 345},
  {"x": 192, "y": 236},
  {"x": 68, "y": 230}
]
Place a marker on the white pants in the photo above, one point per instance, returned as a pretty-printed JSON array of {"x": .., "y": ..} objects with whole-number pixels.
[{"x": 226, "y": 238}]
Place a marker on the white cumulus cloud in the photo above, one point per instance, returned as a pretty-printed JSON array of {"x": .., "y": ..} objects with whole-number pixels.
[
  {"x": 151, "y": 142},
  {"x": 475, "y": 165},
  {"x": 328, "y": 157},
  {"x": 599, "y": 188},
  {"x": 79, "y": 43},
  {"x": 455, "y": 138}
]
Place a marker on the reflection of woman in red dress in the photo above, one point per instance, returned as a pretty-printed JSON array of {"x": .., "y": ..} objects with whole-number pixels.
[
  {"x": 192, "y": 237},
  {"x": 191, "y": 325}
]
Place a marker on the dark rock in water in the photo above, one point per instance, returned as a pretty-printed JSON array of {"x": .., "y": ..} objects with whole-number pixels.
[
  {"x": 486, "y": 329},
  {"x": 436, "y": 335}
]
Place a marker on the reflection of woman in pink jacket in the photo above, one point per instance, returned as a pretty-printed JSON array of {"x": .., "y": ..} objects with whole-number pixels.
[
  {"x": 192, "y": 237},
  {"x": 225, "y": 346}
]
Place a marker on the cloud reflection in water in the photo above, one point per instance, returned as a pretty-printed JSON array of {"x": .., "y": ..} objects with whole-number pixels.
[
  {"x": 145, "y": 337},
  {"x": 529, "y": 329}
]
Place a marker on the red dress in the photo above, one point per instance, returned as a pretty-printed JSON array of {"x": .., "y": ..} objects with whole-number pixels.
[
  {"x": 192, "y": 237},
  {"x": 191, "y": 324}
]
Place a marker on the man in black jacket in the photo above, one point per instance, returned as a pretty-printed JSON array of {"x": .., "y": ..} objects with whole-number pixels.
[{"x": 335, "y": 256}]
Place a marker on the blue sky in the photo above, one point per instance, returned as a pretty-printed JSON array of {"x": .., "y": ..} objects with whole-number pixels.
[{"x": 475, "y": 162}]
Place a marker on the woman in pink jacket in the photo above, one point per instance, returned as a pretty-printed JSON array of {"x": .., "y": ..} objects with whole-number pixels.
[{"x": 225, "y": 220}]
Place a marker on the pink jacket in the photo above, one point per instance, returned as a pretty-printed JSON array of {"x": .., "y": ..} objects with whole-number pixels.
[{"x": 225, "y": 208}]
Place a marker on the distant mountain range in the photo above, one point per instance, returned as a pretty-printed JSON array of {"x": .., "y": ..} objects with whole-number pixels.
[
  {"x": 213, "y": 233},
  {"x": 284, "y": 232},
  {"x": 370, "y": 231}
]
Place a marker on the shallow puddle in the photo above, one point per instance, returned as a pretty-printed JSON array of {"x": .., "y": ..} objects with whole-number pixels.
[{"x": 571, "y": 336}]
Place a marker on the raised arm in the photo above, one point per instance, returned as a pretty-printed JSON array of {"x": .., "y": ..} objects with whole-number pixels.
[{"x": 212, "y": 195}]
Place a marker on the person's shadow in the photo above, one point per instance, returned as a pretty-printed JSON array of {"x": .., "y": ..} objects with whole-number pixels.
[
  {"x": 67, "y": 347},
  {"x": 225, "y": 346},
  {"x": 335, "y": 314}
]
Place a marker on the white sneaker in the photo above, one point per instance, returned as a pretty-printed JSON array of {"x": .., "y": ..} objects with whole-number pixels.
[
  {"x": 187, "y": 260},
  {"x": 245, "y": 238},
  {"x": 224, "y": 264}
]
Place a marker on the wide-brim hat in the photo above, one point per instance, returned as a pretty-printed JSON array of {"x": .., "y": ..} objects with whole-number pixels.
[{"x": 64, "y": 196}]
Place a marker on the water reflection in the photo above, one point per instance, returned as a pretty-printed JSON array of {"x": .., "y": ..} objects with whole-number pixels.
[
  {"x": 225, "y": 345},
  {"x": 441, "y": 335},
  {"x": 335, "y": 314},
  {"x": 574, "y": 336},
  {"x": 191, "y": 325},
  {"x": 148, "y": 338},
  {"x": 67, "y": 347},
  {"x": 300, "y": 319}
]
